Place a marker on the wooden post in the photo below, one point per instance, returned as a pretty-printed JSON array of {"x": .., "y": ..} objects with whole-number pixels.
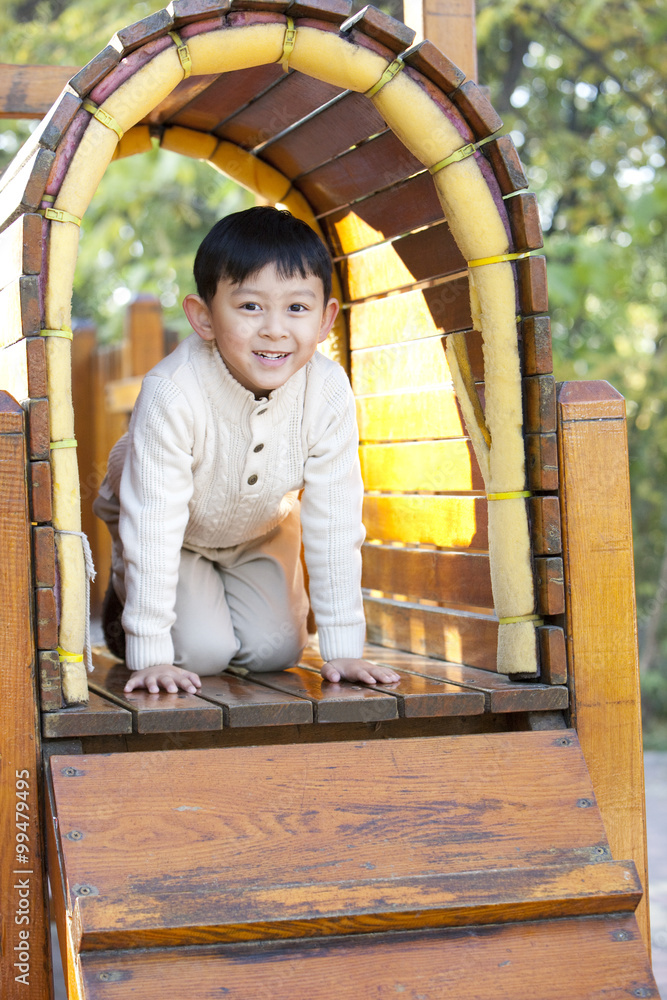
[
  {"x": 144, "y": 332},
  {"x": 24, "y": 925},
  {"x": 600, "y": 610},
  {"x": 449, "y": 24}
]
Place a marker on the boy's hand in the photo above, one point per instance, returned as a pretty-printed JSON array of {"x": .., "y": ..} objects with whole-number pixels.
[
  {"x": 360, "y": 671},
  {"x": 166, "y": 676}
]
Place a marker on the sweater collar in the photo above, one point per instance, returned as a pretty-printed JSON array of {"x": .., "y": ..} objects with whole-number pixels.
[{"x": 233, "y": 399}]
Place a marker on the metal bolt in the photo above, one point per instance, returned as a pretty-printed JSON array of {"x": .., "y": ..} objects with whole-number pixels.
[
  {"x": 85, "y": 890},
  {"x": 74, "y": 835},
  {"x": 584, "y": 803},
  {"x": 69, "y": 772},
  {"x": 564, "y": 741},
  {"x": 104, "y": 976},
  {"x": 621, "y": 936}
]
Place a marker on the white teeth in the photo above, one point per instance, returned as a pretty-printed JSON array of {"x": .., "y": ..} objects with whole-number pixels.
[{"x": 267, "y": 354}]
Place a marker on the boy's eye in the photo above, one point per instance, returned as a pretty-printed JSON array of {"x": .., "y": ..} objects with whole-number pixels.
[
  {"x": 250, "y": 306},
  {"x": 297, "y": 307}
]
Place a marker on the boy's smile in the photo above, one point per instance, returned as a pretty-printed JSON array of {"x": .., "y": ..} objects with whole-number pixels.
[{"x": 267, "y": 327}]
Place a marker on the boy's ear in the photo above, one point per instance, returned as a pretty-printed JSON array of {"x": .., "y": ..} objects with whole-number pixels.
[
  {"x": 199, "y": 316},
  {"x": 328, "y": 319}
]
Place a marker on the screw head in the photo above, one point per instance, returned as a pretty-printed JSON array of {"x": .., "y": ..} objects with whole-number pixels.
[{"x": 74, "y": 835}]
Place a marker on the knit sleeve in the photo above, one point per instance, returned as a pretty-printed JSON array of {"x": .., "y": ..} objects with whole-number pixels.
[
  {"x": 155, "y": 490},
  {"x": 331, "y": 520}
]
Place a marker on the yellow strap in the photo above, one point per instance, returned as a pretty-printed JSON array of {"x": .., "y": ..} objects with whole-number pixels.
[
  {"x": 391, "y": 71},
  {"x": 58, "y": 215},
  {"x": 103, "y": 117},
  {"x": 183, "y": 53},
  {"x": 288, "y": 44},
  {"x": 520, "y": 618},
  {"x": 64, "y": 655},
  {"x": 509, "y": 496},
  {"x": 499, "y": 258},
  {"x": 49, "y": 197},
  {"x": 66, "y": 333},
  {"x": 65, "y": 443},
  {"x": 459, "y": 154}
]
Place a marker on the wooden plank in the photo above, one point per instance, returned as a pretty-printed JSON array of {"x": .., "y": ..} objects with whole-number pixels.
[
  {"x": 44, "y": 556},
  {"x": 294, "y": 97},
  {"x": 38, "y": 429},
  {"x": 458, "y": 636},
  {"x": 21, "y": 247},
  {"x": 460, "y": 578},
  {"x": 420, "y": 697},
  {"x": 39, "y": 478},
  {"x": 144, "y": 331},
  {"x": 532, "y": 279},
  {"x": 29, "y": 91},
  {"x": 450, "y": 26},
  {"x": 429, "y": 60},
  {"x": 182, "y": 96},
  {"x": 406, "y": 206},
  {"x": 225, "y": 96},
  {"x": 245, "y": 704},
  {"x": 23, "y": 368},
  {"x": 429, "y": 253},
  {"x": 151, "y": 713},
  {"x": 50, "y": 682},
  {"x": 501, "y": 693},
  {"x": 369, "y": 167},
  {"x": 535, "y": 334},
  {"x": 409, "y": 415},
  {"x": 504, "y": 158},
  {"x": 496, "y": 897},
  {"x": 539, "y": 404},
  {"x": 121, "y": 394},
  {"x": 141, "y": 32},
  {"x": 553, "y": 658},
  {"x": 383, "y": 28},
  {"x": 417, "y": 365},
  {"x": 443, "y": 807},
  {"x": 19, "y": 307},
  {"x": 570, "y": 959},
  {"x": 443, "y": 307},
  {"x": 342, "y": 702},
  {"x": 335, "y": 11},
  {"x": 99, "y": 717},
  {"x": 449, "y": 522},
  {"x": 550, "y": 587},
  {"x": 187, "y": 11},
  {"x": 21, "y": 189},
  {"x": 94, "y": 71},
  {"x": 430, "y": 466},
  {"x": 524, "y": 219},
  {"x": 313, "y": 143},
  {"x": 542, "y": 462},
  {"x": 46, "y": 618},
  {"x": 477, "y": 110},
  {"x": 600, "y": 614},
  {"x": 22, "y": 875},
  {"x": 545, "y": 528}
]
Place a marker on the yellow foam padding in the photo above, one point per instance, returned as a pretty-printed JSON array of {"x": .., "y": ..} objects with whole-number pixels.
[
  {"x": 517, "y": 648},
  {"x": 136, "y": 140},
  {"x": 189, "y": 142},
  {"x": 236, "y": 48},
  {"x": 86, "y": 170},
  {"x": 480, "y": 446},
  {"x": 72, "y": 630},
  {"x": 59, "y": 368},
  {"x": 250, "y": 172},
  {"x": 509, "y": 551},
  {"x": 327, "y": 56},
  {"x": 66, "y": 498},
  {"x": 74, "y": 683},
  {"x": 62, "y": 253}
]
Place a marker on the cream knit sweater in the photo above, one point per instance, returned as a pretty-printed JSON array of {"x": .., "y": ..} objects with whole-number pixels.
[{"x": 208, "y": 467}]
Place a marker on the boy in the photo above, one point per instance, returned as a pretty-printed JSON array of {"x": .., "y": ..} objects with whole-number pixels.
[{"x": 201, "y": 495}]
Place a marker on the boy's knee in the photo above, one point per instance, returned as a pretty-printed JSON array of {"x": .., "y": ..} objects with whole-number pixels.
[
  {"x": 275, "y": 650},
  {"x": 202, "y": 655}
]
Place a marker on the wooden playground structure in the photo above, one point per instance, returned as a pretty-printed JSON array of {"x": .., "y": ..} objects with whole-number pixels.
[{"x": 477, "y": 827}]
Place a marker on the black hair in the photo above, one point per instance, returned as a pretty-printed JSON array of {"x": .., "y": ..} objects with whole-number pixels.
[{"x": 243, "y": 243}]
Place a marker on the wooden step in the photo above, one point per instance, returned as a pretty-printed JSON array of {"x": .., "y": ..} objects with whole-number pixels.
[{"x": 571, "y": 959}]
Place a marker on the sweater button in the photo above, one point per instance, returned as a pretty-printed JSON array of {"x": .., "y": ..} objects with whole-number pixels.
[
  {"x": 258, "y": 447},
  {"x": 252, "y": 480}
]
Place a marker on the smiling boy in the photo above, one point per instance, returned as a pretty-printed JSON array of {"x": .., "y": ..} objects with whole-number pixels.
[{"x": 202, "y": 495}]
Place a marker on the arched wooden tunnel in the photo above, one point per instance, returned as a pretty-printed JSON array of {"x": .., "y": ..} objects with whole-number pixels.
[{"x": 392, "y": 155}]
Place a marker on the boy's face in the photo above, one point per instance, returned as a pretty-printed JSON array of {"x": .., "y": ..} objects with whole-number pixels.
[{"x": 266, "y": 328}]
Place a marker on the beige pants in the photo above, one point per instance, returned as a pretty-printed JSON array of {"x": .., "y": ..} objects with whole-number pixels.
[{"x": 244, "y": 606}]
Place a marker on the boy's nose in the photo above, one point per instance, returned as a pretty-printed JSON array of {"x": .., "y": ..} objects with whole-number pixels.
[{"x": 273, "y": 325}]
